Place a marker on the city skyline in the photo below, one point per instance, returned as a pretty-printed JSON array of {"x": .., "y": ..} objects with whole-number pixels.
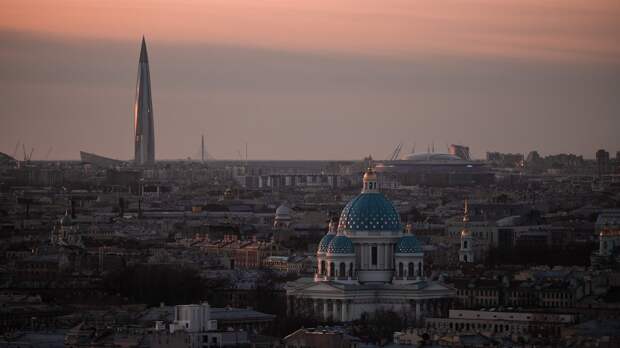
[
  {"x": 443, "y": 80},
  {"x": 326, "y": 173}
]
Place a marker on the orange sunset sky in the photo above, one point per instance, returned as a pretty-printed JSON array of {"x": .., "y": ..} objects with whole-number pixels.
[{"x": 312, "y": 79}]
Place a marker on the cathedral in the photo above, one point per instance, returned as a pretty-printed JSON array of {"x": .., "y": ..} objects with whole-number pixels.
[{"x": 367, "y": 262}]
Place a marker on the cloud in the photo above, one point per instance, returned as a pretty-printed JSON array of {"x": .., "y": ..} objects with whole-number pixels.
[
  {"x": 566, "y": 30},
  {"x": 76, "y": 94}
]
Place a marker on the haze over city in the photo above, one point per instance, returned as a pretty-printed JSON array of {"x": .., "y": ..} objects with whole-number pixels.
[{"x": 312, "y": 80}]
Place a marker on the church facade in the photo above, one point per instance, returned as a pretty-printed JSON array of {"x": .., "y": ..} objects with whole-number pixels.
[{"x": 366, "y": 262}]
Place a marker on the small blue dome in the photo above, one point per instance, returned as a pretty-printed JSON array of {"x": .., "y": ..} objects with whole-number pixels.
[
  {"x": 369, "y": 211},
  {"x": 324, "y": 243},
  {"x": 65, "y": 220},
  {"x": 340, "y": 245},
  {"x": 408, "y": 244}
]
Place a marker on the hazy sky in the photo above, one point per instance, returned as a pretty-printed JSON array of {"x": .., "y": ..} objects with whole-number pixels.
[{"x": 321, "y": 79}]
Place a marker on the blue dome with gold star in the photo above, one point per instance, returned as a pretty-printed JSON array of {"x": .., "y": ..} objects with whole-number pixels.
[
  {"x": 408, "y": 244},
  {"x": 369, "y": 211},
  {"x": 340, "y": 244},
  {"x": 324, "y": 243}
]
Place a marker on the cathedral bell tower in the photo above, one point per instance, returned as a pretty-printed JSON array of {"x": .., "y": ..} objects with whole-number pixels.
[{"x": 467, "y": 251}]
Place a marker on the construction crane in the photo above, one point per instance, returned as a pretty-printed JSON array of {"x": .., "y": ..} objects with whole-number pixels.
[
  {"x": 47, "y": 155},
  {"x": 396, "y": 152},
  {"x": 16, "y": 148},
  {"x": 27, "y": 157}
]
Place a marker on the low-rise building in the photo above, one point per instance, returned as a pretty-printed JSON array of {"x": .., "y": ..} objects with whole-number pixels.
[
  {"x": 321, "y": 337},
  {"x": 200, "y": 325},
  {"x": 500, "y": 323}
]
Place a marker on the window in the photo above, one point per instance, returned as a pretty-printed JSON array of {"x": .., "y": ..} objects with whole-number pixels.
[
  {"x": 464, "y": 244},
  {"x": 410, "y": 269},
  {"x": 373, "y": 254},
  {"x": 332, "y": 269},
  {"x": 343, "y": 269},
  {"x": 351, "y": 269},
  {"x": 400, "y": 269},
  {"x": 322, "y": 270}
]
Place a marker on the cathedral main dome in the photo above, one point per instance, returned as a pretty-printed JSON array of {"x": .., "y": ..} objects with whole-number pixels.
[{"x": 369, "y": 211}]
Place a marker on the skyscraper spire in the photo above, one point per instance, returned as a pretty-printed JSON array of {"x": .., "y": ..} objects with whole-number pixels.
[
  {"x": 144, "y": 140},
  {"x": 144, "y": 58}
]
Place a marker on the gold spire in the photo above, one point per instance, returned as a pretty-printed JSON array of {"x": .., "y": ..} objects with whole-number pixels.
[
  {"x": 332, "y": 227},
  {"x": 466, "y": 232},
  {"x": 466, "y": 212},
  {"x": 409, "y": 228},
  {"x": 370, "y": 181}
]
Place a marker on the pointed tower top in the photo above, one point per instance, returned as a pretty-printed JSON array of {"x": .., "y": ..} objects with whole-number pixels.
[
  {"x": 466, "y": 212},
  {"x": 409, "y": 228},
  {"x": 466, "y": 232},
  {"x": 333, "y": 227},
  {"x": 143, "y": 56}
]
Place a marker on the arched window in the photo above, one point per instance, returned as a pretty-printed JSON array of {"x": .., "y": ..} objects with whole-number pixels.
[
  {"x": 465, "y": 258},
  {"x": 400, "y": 269},
  {"x": 351, "y": 270},
  {"x": 373, "y": 255},
  {"x": 410, "y": 269},
  {"x": 322, "y": 270},
  {"x": 332, "y": 269},
  {"x": 464, "y": 244},
  {"x": 343, "y": 269}
]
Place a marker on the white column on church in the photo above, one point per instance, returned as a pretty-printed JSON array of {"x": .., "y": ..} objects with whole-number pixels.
[
  {"x": 418, "y": 310},
  {"x": 325, "y": 314},
  {"x": 335, "y": 309},
  {"x": 344, "y": 310},
  {"x": 362, "y": 255},
  {"x": 315, "y": 308},
  {"x": 385, "y": 256}
]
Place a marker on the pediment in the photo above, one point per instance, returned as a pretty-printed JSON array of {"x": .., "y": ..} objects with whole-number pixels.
[{"x": 321, "y": 286}]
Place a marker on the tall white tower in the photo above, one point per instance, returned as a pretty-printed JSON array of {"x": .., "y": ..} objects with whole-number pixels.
[{"x": 468, "y": 246}]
